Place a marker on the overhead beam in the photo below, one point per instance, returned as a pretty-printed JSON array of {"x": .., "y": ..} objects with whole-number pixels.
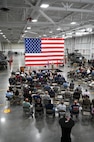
[
  {"x": 22, "y": 6},
  {"x": 47, "y": 17},
  {"x": 73, "y": 13},
  {"x": 28, "y": 3},
  {"x": 80, "y": 1},
  {"x": 25, "y": 13},
  {"x": 20, "y": 24},
  {"x": 12, "y": 24},
  {"x": 47, "y": 23},
  {"x": 34, "y": 9},
  {"x": 40, "y": 23},
  {"x": 69, "y": 9}
]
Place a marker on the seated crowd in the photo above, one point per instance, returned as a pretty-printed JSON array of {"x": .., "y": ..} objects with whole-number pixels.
[
  {"x": 40, "y": 89},
  {"x": 84, "y": 72}
]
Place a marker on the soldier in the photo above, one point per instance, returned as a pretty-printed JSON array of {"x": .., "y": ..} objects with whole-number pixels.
[{"x": 66, "y": 124}]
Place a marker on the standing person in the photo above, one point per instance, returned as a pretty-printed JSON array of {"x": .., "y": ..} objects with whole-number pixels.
[
  {"x": 86, "y": 93},
  {"x": 66, "y": 124},
  {"x": 76, "y": 95},
  {"x": 71, "y": 85},
  {"x": 9, "y": 94},
  {"x": 10, "y": 61}
]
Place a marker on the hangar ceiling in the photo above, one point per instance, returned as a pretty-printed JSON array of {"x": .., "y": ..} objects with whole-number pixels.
[{"x": 57, "y": 18}]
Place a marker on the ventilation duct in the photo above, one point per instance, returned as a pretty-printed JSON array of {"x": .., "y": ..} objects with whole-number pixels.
[{"x": 4, "y": 6}]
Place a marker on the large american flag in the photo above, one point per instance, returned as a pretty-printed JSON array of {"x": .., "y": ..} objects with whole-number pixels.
[{"x": 44, "y": 51}]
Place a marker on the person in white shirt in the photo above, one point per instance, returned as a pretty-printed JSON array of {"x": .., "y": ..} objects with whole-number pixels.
[
  {"x": 61, "y": 108},
  {"x": 88, "y": 71},
  {"x": 86, "y": 93},
  {"x": 9, "y": 95},
  {"x": 46, "y": 98}
]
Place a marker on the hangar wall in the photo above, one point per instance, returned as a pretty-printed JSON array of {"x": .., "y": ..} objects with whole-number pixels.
[
  {"x": 15, "y": 47},
  {"x": 0, "y": 47},
  {"x": 84, "y": 44}
]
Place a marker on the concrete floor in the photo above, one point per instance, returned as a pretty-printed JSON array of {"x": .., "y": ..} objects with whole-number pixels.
[{"x": 16, "y": 128}]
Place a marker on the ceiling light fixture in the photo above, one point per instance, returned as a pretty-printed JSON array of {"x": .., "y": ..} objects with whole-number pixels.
[
  {"x": 58, "y": 29},
  {"x": 44, "y": 35},
  {"x": 34, "y": 20},
  {"x": 1, "y": 33},
  {"x": 78, "y": 33},
  {"x": 25, "y": 31},
  {"x": 63, "y": 35},
  {"x": 44, "y": 6},
  {"x": 69, "y": 33},
  {"x": 89, "y": 29},
  {"x": 82, "y": 30},
  {"x": 73, "y": 23},
  {"x": 50, "y": 32},
  {"x": 28, "y": 28},
  {"x": 23, "y": 35},
  {"x": 4, "y": 36}
]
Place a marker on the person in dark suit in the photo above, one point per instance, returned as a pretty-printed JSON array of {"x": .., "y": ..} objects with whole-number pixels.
[
  {"x": 50, "y": 108},
  {"x": 76, "y": 94},
  {"x": 74, "y": 109},
  {"x": 66, "y": 124}
]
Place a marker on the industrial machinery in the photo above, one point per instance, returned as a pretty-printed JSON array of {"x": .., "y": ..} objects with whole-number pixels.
[
  {"x": 76, "y": 57},
  {"x": 3, "y": 61}
]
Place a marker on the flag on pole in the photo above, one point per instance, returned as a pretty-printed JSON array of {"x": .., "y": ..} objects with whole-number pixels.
[{"x": 42, "y": 51}]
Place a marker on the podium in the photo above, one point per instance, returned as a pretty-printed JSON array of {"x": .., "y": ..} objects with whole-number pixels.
[{"x": 22, "y": 69}]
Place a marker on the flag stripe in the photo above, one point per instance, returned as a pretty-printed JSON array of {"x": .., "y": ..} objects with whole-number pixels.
[
  {"x": 51, "y": 46},
  {"x": 42, "y": 62},
  {"x": 28, "y": 61},
  {"x": 49, "y": 39},
  {"x": 39, "y": 64},
  {"x": 43, "y": 51},
  {"x": 54, "y": 47},
  {"x": 45, "y": 58},
  {"x": 44, "y": 54},
  {"x": 52, "y": 43}
]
